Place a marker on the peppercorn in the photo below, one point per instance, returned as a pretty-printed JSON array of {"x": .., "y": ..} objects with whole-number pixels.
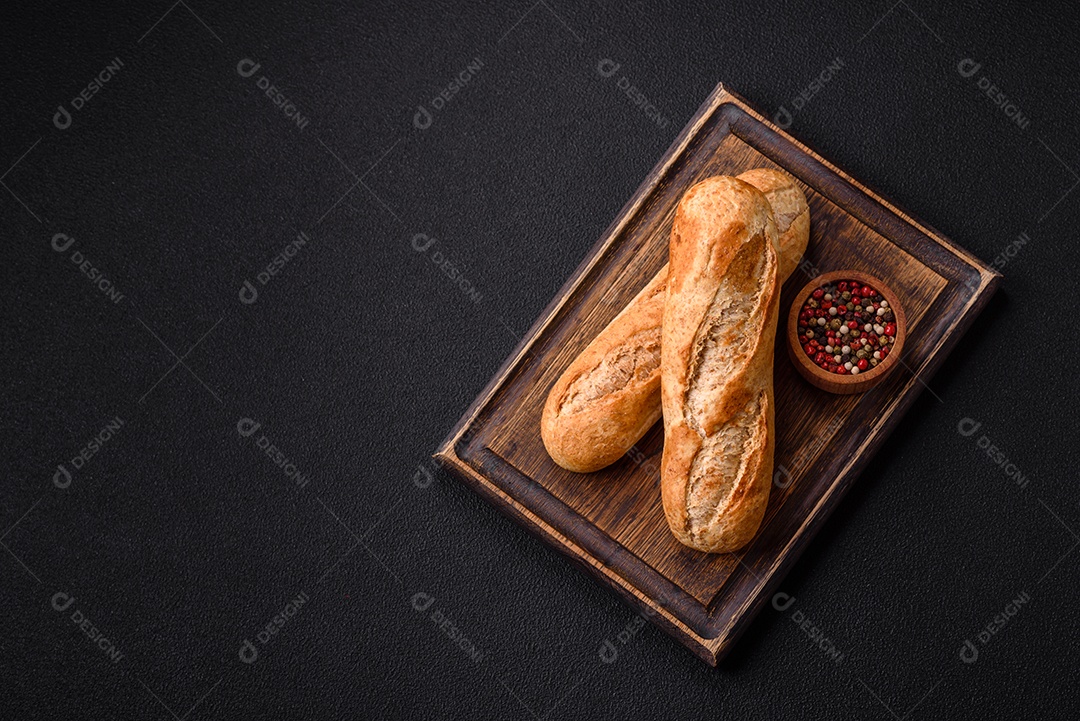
[{"x": 846, "y": 328}]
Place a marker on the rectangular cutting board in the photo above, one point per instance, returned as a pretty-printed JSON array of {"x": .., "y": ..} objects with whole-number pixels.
[{"x": 611, "y": 522}]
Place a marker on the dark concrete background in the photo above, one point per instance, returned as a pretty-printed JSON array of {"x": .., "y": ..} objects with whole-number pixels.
[{"x": 179, "y": 539}]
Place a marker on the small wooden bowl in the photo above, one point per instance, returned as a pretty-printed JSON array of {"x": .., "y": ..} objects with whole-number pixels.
[{"x": 844, "y": 384}]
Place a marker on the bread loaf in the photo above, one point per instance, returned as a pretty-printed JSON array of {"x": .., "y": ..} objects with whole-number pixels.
[
  {"x": 609, "y": 396},
  {"x": 718, "y": 335}
]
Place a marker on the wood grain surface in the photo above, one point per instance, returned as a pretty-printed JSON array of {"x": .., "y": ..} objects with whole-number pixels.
[{"x": 611, "y": 521}]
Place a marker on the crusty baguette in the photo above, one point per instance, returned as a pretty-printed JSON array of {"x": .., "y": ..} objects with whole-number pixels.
[
  {"x": 609, "y": 396},
  {"x": 719, "y": 331}
]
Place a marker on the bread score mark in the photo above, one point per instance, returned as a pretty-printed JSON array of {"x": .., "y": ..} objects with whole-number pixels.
[
  {"x": 721, "y": 353},
  {"x": 636, "y": 360},
  {"x": 723, "y": 469},
  {"x": 632, "y": 362}
]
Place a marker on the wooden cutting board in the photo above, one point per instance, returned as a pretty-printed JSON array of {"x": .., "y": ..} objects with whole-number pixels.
[{"x": 611, "y": 521}]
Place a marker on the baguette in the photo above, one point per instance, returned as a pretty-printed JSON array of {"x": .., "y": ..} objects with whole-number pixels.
[
  {"x": 609, "y": 396},
  {"x": 719, "y": 331}
]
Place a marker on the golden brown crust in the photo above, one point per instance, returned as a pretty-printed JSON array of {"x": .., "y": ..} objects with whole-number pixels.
[
  {"x": 718, "y": 334},
  {"x": 595, "y": 429},
  {"x": 610, "y": 395}
]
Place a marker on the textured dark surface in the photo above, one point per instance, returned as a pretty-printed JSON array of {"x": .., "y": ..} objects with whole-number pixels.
[{"x": 180, "y": 539}]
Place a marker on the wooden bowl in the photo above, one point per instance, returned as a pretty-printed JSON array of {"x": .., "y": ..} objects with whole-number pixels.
[{"x": 833, "y": 382}]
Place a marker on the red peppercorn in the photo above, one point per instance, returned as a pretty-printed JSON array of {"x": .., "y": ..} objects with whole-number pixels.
[
  {"x": 818, "y": 294},
  {"x": 809, "y": 349},
  {"x": 852, "y": 324},
  {"x": 863, "y": 364},
  {"x": 842, "y": 285},
  {"x": 890, "y": 329},
  {"x": 867, "y": 291}
]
